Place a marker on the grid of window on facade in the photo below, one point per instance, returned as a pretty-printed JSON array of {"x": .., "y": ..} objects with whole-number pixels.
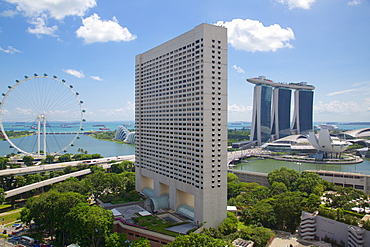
[{"x": 170, "y": 113}]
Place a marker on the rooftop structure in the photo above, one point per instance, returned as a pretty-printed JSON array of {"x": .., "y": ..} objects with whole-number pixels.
[
  {"x": 181, "y": 124},
  {"x": 261, "y": 80},
  {"x": 354, "y": 134}
]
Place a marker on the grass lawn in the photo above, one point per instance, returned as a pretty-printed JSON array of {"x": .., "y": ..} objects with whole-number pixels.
[
  {"x": 10, "y": 218},
  {"x": 156, "y": 224},
  {"x": 5, "y": 206}
]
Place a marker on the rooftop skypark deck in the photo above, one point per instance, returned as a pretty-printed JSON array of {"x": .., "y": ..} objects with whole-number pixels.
[{"x": 262, "y": 80}]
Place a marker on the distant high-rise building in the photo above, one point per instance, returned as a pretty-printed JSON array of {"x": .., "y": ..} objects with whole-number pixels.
[
  {"x": 261, "y": 116},
  {"x": 281, "y": 101},
  {"x": 272, "y": 108},
  {"x": 303, "y": 111},
  {"x": 181, "y": 124}
]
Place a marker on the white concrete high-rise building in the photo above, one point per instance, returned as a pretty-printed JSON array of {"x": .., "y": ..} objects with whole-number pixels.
[{"x": 181, "y": 124}]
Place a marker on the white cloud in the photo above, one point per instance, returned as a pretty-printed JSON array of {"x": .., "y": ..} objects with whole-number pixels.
[
  {"x": 355, "y": 2},
  {"x": 239, "y": 112},
  {"x": 41, "y": 28},
  {"x": 237, "y": 108},
  {"x": 39, "y": 11},
  {"x": 304, "y": 4},
  {"x": 344, "y": 91},
  {"x": 10, "y": 50},
  {"x": 78, "y": 74},
  {"x": 96, "y": 30},
  {"x": 252, "y": 35},
  {"x": 57, "y": 9},
  {"x": 97, "y": 78},
  {"x": 338, "y": 107},
  {"x": 8, "y": 13},
  {"x": 238, "y": 69},
  {"x": 128, "y": 111}
]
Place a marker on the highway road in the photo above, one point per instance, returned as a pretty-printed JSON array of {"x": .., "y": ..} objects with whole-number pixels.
[
  {"x": 37, "y": 185},
  {"x": 58, "y": 166},
  {"x": 34, "y": 169}
]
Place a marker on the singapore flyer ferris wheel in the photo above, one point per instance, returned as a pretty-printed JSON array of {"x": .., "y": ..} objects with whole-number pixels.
[{"x": 45, "y": 113}]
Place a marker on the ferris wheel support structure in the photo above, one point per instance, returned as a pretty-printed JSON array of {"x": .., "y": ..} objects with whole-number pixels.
[{"x": 43, "y": 117}]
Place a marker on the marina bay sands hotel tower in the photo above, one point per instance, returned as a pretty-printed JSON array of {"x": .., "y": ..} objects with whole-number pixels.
[{"x": 272, "y": 108}]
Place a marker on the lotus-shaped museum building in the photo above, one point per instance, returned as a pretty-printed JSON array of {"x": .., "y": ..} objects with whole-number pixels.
[{"x": 326, "y": 144}]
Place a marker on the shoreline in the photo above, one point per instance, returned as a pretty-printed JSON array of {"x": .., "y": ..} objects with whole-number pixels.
[{"x": 339, "y": 162}]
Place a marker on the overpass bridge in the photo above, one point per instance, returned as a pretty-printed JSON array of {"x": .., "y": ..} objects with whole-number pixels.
[
  {"x": 58, "y": 166},
  {"x": 40, "y": 168},
  {"x": 41, "y": 184}
]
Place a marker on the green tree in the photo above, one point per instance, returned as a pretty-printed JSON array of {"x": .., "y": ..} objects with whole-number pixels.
[
  {"x": 71, "y": 184},
  {"x": 141, "y": 242},
  {"x": 28, "y": 160},
  {"x": 277, "y": 188},
  {"x": 311, "y": 203},
  {"x": 20, "y": 181},
  {"x": 259, "y": 235},
  {"x": 229, "y": 225},
  {"x": 288, "y": 208},
  {"x": 2, "y": 196},
  {"x": 91, "y": 224},
  {"x": 3, "y": 162},
  {"x": 197, "y": 239},
  {"x": 213, "y": 232},
  {"x": 308, "y": 182},
  {"x": 78, "y": 157},
  {"x": 96, "y": 156},
  {"x": 286, "y": 176},
  {"x": 117, "y": 240},
  {"x": 49, "y": 159},
  {"x": 233, "y": 185},
  {"x": 64, "y": 158},
  {"x": 261, "y": 213},
  {"x": 69, "y": 169},
  {"x": 123, "y": 166},
  {"x": 50, "y": 209}
]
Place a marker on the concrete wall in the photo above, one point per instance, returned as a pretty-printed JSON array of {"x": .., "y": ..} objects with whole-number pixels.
[{"x": 251, "y": 177}]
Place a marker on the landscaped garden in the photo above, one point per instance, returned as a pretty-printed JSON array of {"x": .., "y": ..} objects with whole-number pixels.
[{"x": 157, "y": 224}]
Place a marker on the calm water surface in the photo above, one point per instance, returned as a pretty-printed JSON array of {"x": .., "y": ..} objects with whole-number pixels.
[
  {"x": 268, "y": 165},
  {"x": 92, "y": 145}
]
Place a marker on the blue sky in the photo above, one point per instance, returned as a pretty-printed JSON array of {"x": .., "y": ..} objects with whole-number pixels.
[{"x": 92, "y": 44}]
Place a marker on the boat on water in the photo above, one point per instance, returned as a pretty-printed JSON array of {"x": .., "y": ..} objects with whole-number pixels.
[
  {"x": 98, "y": 125},
  {"x": 104, "y": 128}
]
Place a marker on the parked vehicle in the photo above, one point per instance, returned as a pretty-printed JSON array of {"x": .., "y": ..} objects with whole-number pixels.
[{"x": 27, "y": 240}]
